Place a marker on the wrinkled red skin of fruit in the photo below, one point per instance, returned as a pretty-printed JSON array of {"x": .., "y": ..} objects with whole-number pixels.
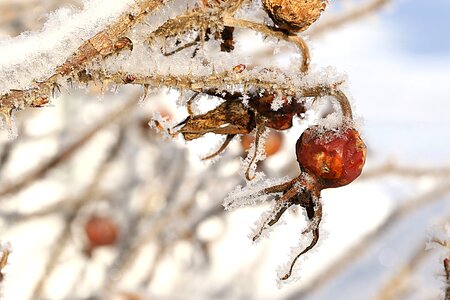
[
  {"x": 280, "y": 119},
  {"x": 101, "y": 231},
  {"x": 335, "y": 158}
]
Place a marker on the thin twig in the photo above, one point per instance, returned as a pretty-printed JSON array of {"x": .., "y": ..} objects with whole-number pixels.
[
  {"x": 294, "y": 39},
  {"x": 102, "y": 44},
  {"x": 390, "y": 168},
  {"x": 396, "y": 284},
  {"x": 223, "y": 80},
  {"x": 363, "y": 10},
  {"x": 89, "y": 194}
]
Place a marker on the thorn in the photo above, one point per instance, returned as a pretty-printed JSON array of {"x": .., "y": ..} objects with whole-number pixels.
[{"x": 145, "y": 94}]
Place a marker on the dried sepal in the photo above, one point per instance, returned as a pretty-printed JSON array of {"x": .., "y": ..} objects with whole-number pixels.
[
  {"x": 303, "y": 191},
  {"x": 281, "y": 118},
  {"x": 230, "y": 117}
]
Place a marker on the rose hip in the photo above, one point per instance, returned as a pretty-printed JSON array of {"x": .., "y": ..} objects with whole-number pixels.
[
  {"x": 334, "y": 157},
  {"x": 274, "y": 142},
  {"x": 101, "y": 231}
]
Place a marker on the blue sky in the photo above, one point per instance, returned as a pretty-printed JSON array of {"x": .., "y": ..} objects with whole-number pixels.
[{"x": 422, "y": 26}]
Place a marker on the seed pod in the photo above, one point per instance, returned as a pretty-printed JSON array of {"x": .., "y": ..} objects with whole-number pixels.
[
  {"x": 294, "y": 15},
  {"x": 334, "y": 157}
]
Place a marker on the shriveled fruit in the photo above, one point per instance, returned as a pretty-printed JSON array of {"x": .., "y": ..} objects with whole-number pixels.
[
  {"x": 101, "y": 231},
  {"x": 274, "y": 142},
  {"x": 334, "y": 157},
  {"x": 280, "y": 119},
  {"x": 294, "y": 15}
]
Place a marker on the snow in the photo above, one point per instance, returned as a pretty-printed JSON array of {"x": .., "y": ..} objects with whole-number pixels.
[
  {"x": 252, "y": 193},
  {"x": 35, "y": 55}
]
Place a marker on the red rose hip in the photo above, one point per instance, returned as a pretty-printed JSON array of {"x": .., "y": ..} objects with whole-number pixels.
[
  {"x": 274, "y": 142},
  {"x": 101, "y": 231},
  {"x": 334, "y": 157}
]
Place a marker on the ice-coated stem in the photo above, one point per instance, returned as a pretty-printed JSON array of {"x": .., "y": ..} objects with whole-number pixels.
[
  {"x": 259, "y": 131},
  {"x": 315, "y": 219},
  {"x": 225, "y": 144}
]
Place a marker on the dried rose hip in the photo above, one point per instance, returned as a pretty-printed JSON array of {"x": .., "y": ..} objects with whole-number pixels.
[
  {"x": 334, "y": 157},
  {"x": 101, "y": 231},
  {"x": 294, "y": 15},
  {"x": 280, "y": 119}
]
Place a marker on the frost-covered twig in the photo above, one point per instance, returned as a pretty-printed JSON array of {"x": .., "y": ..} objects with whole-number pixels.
[
  {"x": 5, "y": 251},
  {"x": 102, "y": 44},
  {"x": 294, "y": 39}
]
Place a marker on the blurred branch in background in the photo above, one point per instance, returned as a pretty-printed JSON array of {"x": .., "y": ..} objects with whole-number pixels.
[
  {"x": 398, "y": 287},
  {"x": 357, "y": 12},
  {"x": 26, "y": 15},
  {"x": 351, "y": 256},
  {"x": 66, "y": 153}
]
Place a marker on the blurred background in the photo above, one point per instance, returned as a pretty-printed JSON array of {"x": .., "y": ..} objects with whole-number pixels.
[{"x": 97, "y": 205}]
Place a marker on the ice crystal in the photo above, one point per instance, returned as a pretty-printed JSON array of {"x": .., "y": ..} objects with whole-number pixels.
[
  {"x": 161, "y": 124},
  {"x": 251, "y": 194},
  {"x": 35, "y": 55}
]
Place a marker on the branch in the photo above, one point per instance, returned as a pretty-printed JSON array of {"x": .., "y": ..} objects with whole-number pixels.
[
  {"x": 101, "y": 45},
  {"x": 296, "y": 87},
  {"x": 390, "y": 168},
  {"x": 66, "y": 153},
  {"x": 355, "y": 14},
  {"x": 90, "y": 193}
]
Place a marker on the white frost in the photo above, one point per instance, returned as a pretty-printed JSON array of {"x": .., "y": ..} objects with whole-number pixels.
[
  {"x": 252, "y": 193},
  {"x": 35, "y": 55}
]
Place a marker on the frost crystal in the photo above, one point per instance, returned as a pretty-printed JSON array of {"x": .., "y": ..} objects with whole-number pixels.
[
  {"x": 277, "y": 103},
  {"x": 5, "y": 247},
  {"x": 262, "y": 228},
  {"x": 161, "y": 124},
  {"x": 35, "y": 55},
  {"x": 255, "y": 154},
  {"x": 251, "y": 194}
]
